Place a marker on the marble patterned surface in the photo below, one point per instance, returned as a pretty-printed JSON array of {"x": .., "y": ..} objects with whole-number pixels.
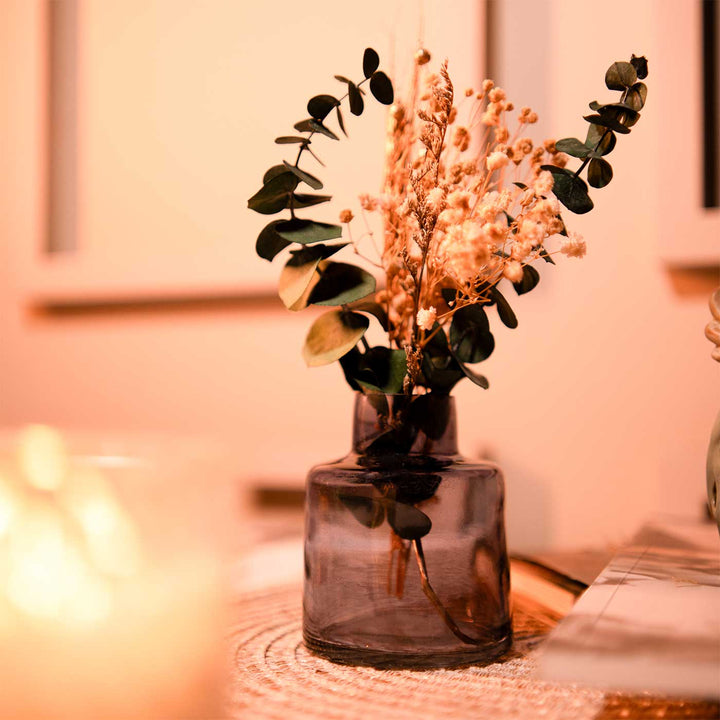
[{"x": 651, "y": 620}]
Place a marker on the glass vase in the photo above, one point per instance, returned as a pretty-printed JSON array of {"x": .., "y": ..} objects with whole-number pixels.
[{"x": 405, "y": 557}]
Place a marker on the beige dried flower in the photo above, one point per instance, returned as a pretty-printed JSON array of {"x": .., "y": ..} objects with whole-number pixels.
[
  {"x": 346, "y": 216},
  {"x": 426, "y": 318}
]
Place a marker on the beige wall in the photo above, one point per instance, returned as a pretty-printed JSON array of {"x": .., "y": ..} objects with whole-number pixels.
[{"x": 600, "y": 403}]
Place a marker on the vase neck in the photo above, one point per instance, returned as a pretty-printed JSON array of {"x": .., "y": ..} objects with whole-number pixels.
[{"x": 418, "y": 425}]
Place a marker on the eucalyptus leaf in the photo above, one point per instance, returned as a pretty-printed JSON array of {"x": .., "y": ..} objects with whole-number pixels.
[
  {"x": 599, "y": 172},
  {"x": 301, "y": 200},
  {"x": 609, "y": 122},
  {"x": 407, "y": 521},
  {"x": 304, "y": 125},
  {"x": 357, "y": 104},
  {"x": 470, "y": 337},
  {"x": 371, "y": 62},
  {"x": 340, "y": 121},
  {"x": 273, "y": 172},
  {"x": 320, "y": 106},
  {"x": 381, "y": 88},
  {"x": 308, "y": 253},
  {"x": 505, "y": 312},
  {"x": 622, "y": 112},
  {"x": 573, "y": 146},
  {"x": 296, "y": 282},
  {"x": 269, "y": 243},
  {"x": 311, "y": 180},
  {"x": 342, "y": 283},
  {"x": 318, "y": 127},
  {"x": 313, "y": 126},
  {"x": 369, "y": 512},
  {"x": 382, "y": 370},
  {"x": 601, "y": 140},
  {"x": 342, "y": 78},
  {"x": 291, "y": 139},
  {"x": 430, "y": 413},
  {"x": 374, "y": 308},
  {"x": 530, "y": 279},
  {"x": 274, "y": 195},
  {"x": 477, "y": 378},
  {"x": 300, "y": 276},
  {"x": 570, "y": 190},
  {"x": 307, "y": 232},
  {"x": 620, "y": 75},
  {"x": 332, "y": 335},
  {"x": 637, "y": 95},
  {"x": 349, "y": 364}
]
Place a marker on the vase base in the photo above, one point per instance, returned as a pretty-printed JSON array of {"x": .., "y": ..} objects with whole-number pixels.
[{"x": 404, "y": 660}]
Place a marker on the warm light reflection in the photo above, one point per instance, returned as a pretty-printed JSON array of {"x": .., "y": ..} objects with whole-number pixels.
[
  {"x": 67, "y": 546},
  {"x": 8, "y": 504},
  {"x": 43, "y": 458}
]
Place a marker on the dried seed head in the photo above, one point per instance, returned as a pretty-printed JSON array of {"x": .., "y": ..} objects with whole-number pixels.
[{"x": 422, "y": 57}]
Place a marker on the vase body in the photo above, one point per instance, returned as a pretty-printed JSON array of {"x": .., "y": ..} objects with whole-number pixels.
[{"x": 405, "y": 558}]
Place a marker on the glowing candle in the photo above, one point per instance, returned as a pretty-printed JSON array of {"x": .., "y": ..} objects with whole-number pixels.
[{"x": 94, "y": 621}]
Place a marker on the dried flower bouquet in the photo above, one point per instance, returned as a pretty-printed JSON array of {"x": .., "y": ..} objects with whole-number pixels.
[{"x": 469, "y": 205}]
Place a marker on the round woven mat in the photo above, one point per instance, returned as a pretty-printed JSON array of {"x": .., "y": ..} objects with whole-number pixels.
[{"x": 272, "y": 675}]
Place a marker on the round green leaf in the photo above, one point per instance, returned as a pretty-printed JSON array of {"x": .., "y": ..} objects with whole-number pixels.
[
  {"x": 601, "y": 139},
  {"x": 357, "y": 104},
  {"x": 622, "y": 112},
  {"x": 407, "y": 521},
  {"x": 599, "y": 172},
  {"x": 301, "y": 200},
  {"x": 296, "y": 283},
  {"x": 311, "y": 125},
  {"x": 299, "y": 275},
  {"x": 636, "y": 96},
  {"x": 620, "y": 75},
  {"x": 269, "y": 243},
  {"x": 470, "y": 336},
  {"x": 477, "y": 378},
  {"x": 273, "y": 172},
  {"x": 382, "y": 370},
  {"x": 570, "y": 190},
  {"x": 274, "y": 195},
  {"x": 367, "y": 511},
  {"x": 530, "y": 279},
  {"x": 573, "y": 146},
  {"x": 371, "y": 62},
  {"x": 608, "y": 121},
  {"x": 341, "y": 283},
  {"x": 381, "y": 88},
  {"x": 307, "y": 232},
  {"x": 332, "y": 335},
  {"x": 505, "y": 312},
  {"x": 311, "y": 180},
  {"x": 373, "y": 308},
  {"x": 320, "y": 106}
]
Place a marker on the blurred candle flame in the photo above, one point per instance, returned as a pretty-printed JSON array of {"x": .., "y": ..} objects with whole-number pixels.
[{"x": 67, "y": 544}]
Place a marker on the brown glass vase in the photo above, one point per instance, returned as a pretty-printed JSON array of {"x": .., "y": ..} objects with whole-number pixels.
[{"x": 405, "y": 558}]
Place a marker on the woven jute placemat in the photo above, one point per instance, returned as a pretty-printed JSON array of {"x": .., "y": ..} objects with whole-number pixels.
[{"x": 273, "y": 675}]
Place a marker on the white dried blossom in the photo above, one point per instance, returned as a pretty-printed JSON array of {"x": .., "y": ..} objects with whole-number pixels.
[
  {"x": 497, "y": 160},
  {"x": 543, "y": 183},
  {"x": 513, "y": 271},
  {"x": 574, "y": 246},
  {"x": 426, "y": 318},
  {"x": 436, "y": 200}
]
